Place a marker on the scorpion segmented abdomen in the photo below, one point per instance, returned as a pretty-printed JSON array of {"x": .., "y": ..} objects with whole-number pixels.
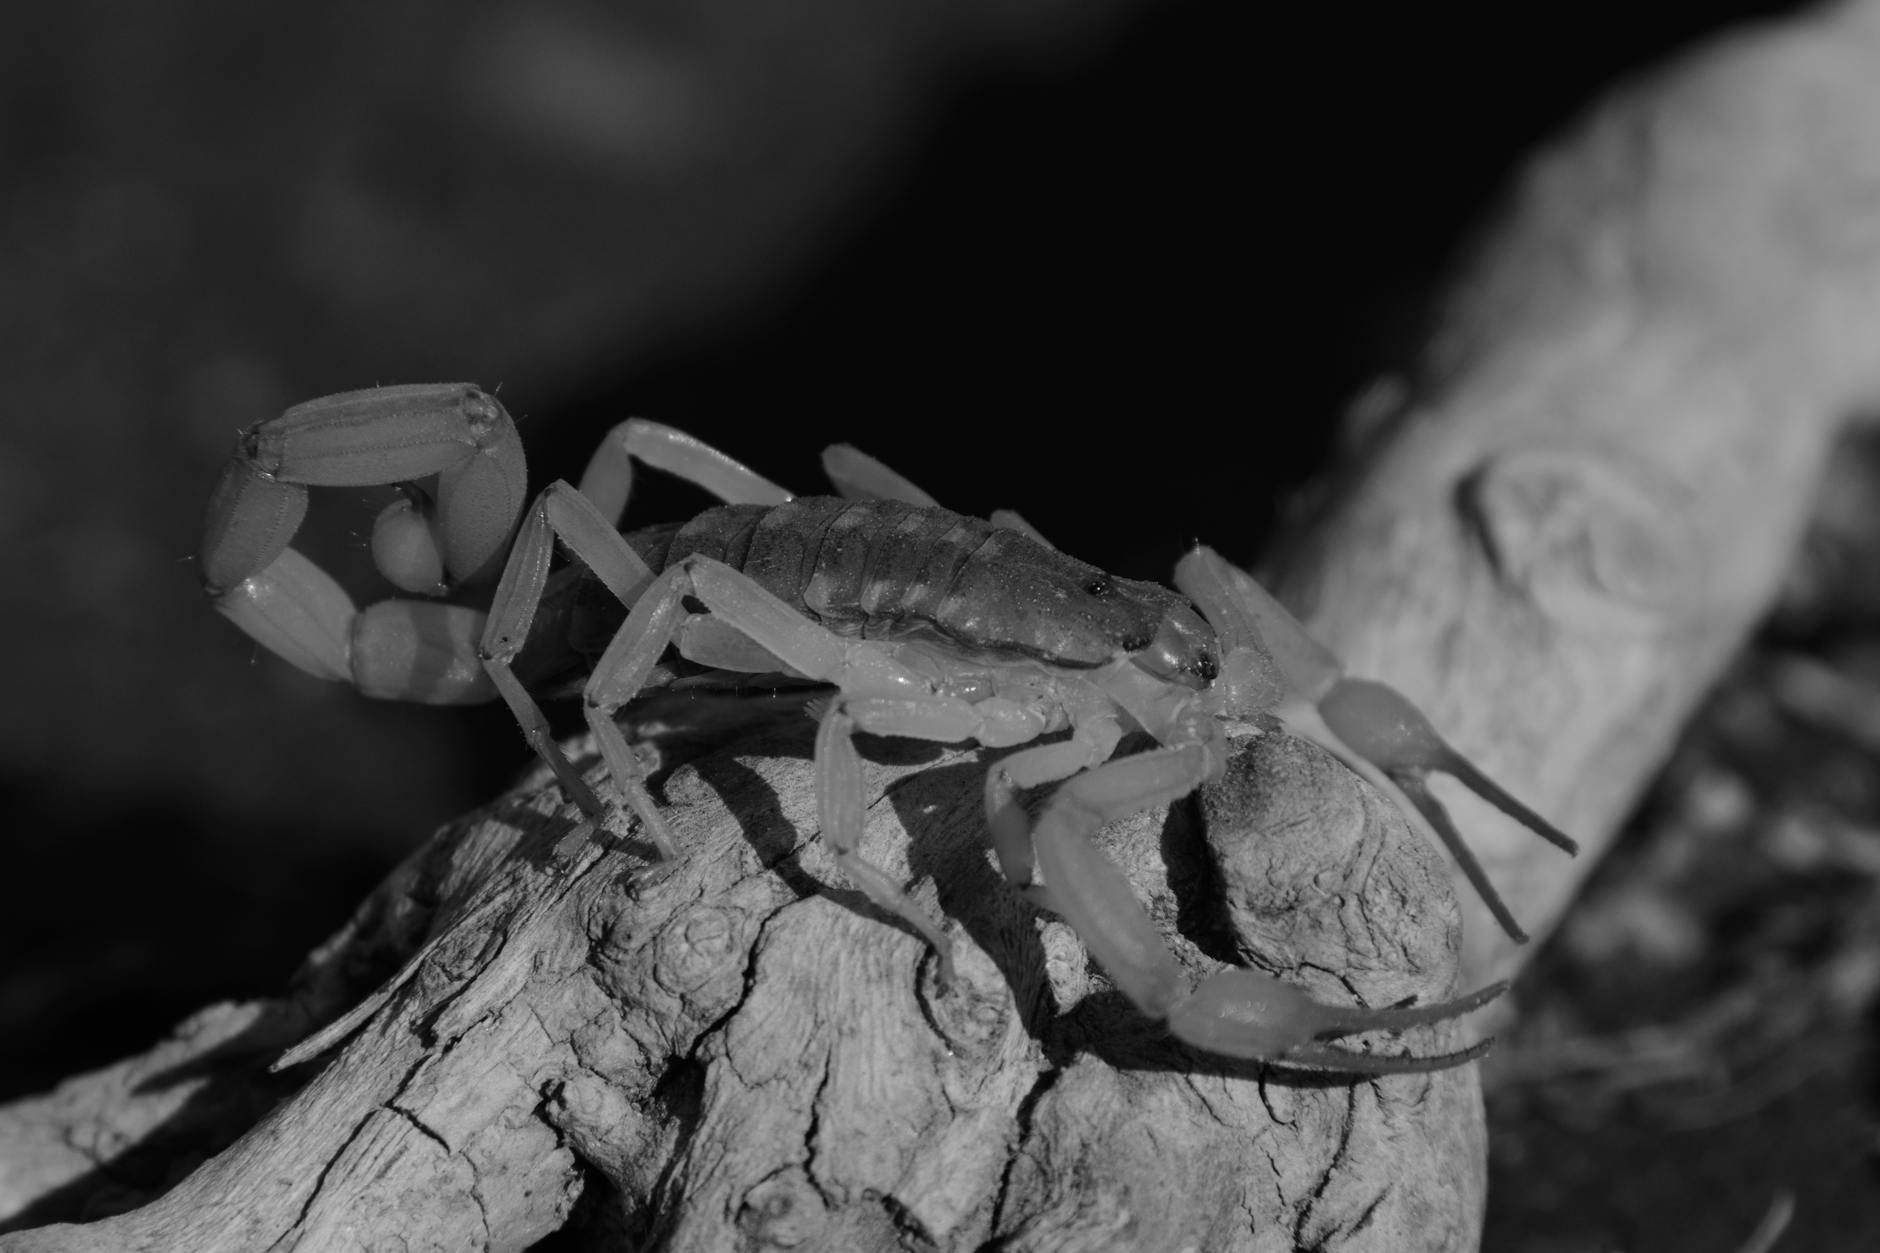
[
  {"x": 915, "y": 562},
  {"x": 723, "y": 534},
  {"x": 889, "y": 570}
]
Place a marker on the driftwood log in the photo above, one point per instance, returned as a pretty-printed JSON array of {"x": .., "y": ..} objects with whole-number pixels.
[{"x": 1552, "y": 534}]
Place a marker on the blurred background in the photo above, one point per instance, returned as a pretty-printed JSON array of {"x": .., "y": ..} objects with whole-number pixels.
[{"x": 1116, "y": 264}]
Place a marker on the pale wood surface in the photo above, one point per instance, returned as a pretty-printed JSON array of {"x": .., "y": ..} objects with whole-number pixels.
[
  {"x": 739, "y": 1049},
  {"x": 1592, "y": 488},
  {"x": 1552, "y": 537}
]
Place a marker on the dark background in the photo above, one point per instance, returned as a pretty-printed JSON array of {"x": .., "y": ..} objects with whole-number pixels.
[{"x": 1116, "y": 265}]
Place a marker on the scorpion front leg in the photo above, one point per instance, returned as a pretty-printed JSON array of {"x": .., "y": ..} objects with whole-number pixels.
[
  {"x": 1371, "y": 727},
  {"x": 1234, "y": 1012}
]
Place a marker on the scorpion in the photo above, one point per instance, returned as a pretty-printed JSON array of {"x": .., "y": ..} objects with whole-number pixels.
[{"x": 928, "y": 624}]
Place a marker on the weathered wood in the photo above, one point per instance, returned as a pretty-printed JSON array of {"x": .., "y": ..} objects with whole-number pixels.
[
  {"x": 738, "y": 1052},
  {"x": 1591, "y": 490}
]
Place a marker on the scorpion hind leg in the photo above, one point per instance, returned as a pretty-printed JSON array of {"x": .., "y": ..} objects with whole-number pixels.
[
  {"x": 608, "y": 479},
  {"x": 561, "y": 512},
  {"x": 858, "y": 476},
  {"x": 841, "y": 807}
]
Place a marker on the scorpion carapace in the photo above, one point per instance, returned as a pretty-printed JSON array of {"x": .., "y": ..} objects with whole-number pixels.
[{"x": 927, "y": 623}]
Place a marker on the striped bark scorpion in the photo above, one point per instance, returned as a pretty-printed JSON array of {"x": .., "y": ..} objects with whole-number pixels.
[{"x": 929, "y": 624}]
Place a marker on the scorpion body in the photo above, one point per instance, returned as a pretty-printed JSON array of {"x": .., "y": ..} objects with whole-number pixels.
[
  {"x": 927, "y": 624},
  {"x": 899, "y": 573}
]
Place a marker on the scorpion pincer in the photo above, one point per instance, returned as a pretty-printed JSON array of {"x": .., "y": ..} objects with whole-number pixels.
[{"x": 928, "y": 624}]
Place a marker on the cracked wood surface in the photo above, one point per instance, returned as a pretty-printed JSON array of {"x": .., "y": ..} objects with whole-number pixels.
[
  {"x": 1561, "y": 524},
  {"x": 736, "y": 1051}
]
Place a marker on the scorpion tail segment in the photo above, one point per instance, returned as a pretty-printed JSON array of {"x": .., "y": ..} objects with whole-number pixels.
[
  {"x": 1245, "y": 615},
  {"x": 405, "y": 546},
  {"x": 1381, "y": 724},
  {"x": 858, "y": 476},
  {"x": 480, "y": 498},
  {"x": 417, "y": 650},
  {"x": 1411, "y": 798},
  {"x": 1246, "y": 1014},
  {"x": 295, "y": 610},
  {"x": 250, "y": 521}
]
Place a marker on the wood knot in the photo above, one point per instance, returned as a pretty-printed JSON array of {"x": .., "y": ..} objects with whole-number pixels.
[
  {"x": 1598, "y": 541},
  {"x": 976, "y": 1013},
  {"x": 783, "y": 1210},
  {"x": 695, "y": 947}
]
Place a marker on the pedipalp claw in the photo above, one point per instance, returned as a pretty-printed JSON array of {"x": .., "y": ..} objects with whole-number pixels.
[
  {"x": 1247, "y": 1014},
  {"x": 1350, "y": 1020},
  {"x": 1414, "y": 788},
  {"x": 1379, "y": 723},
  {"x": 1330, "y": 1057}
]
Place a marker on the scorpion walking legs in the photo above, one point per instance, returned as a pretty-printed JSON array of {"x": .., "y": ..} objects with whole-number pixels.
[
  {"x": 858, "y": 476},
  {"x": 909, "y": 709},
  {"x": 587, "y": 522}
]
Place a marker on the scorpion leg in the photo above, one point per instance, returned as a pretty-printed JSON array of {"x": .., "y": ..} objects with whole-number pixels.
[
  {"x": 1243, "y": 1013},
  {"x": 1234, "y": 1012},
  {"x": 841, "y": 807},
  {"x": 858, "y": 476},
  {"x": 1011, "y": 521},
  {"x": 560, "y": 511},
  {"x": 808, "y": 649},
  {"x": 1094, "y": 737},
  {"x": 608, "y": 479},
  {"x": 1085, "y": 888},
  {"x": 1369, "y": 726}
]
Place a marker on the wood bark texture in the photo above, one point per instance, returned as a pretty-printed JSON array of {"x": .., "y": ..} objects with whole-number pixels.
[
  {"x": 735, "y": 1051},
  {"x": 1557, "y": 528}
]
